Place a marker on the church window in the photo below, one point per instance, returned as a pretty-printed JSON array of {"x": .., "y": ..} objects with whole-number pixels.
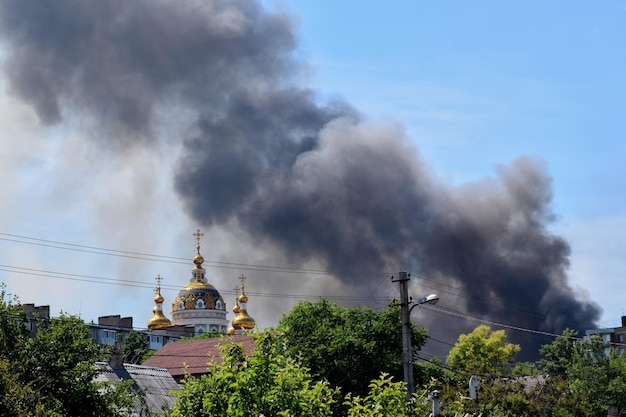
[
  {"x": 181, "y": 305},
  {"x": 200, "y": 304},
  {"x": 218, "y": 305}
]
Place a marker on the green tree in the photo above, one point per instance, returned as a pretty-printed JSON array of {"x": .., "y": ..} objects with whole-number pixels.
[
  {"x": 59, "y": 363},
  {"x": 348, "y": 347},
  {"x": 53, "y": 373},
  {"x": 134, "y": 347},
  {"x": 268, "y": 382},
  {"x": 595, "y": 378},
  {"x": 558, "y": 355},
  {"x": 483, "y": 352},
  {"x": 386, "y": 398},
  {"x": 579, "y": 379}
]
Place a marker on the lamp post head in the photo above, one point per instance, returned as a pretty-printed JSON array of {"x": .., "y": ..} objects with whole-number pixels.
[{"x": 429, "y": 299}]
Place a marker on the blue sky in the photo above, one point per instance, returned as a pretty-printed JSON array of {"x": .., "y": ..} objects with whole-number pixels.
[
  {"x": 477, "y": 84},
  {"x": 474, "y": 85}
]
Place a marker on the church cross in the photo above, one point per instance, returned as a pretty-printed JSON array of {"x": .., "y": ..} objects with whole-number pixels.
[{"x": 198, "y": 235}]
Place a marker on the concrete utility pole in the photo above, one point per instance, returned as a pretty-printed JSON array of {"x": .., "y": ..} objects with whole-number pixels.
[
  {"x": 407, "y": 353},
  {"x": 405, "y": 309}
]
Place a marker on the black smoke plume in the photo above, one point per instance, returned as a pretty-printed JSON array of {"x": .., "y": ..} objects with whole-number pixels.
[{"x": 316, "y": 180}]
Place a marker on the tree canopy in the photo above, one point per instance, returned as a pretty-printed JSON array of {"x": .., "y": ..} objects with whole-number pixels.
[
  {"x": 268, "y": 382},
  {"x": 52, "y": 373},
  {"x": 483, "y": 351},
  {"x": 347, "y": 346},
  {"x": 134, "y": 347}
]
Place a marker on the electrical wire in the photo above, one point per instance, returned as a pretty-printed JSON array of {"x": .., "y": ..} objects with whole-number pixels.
[
  {"x": 130, "y": 283},
  {"x": 171, "y": 259},
  {"x": 436, "y": 285}
]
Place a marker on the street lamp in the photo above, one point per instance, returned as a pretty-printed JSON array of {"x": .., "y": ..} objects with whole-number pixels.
[
  {"x": 407, "y": 353},
  {"x": 429, "y": 299}
]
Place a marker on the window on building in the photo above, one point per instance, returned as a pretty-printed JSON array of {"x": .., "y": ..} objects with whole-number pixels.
[
  {"x": 181, "y": 305},
  {"x": 200, "y": 304},
  {"x": 109, "y": 336},
  {"x": 218, "y": 305},
  {"x": 606, "y": 337}
]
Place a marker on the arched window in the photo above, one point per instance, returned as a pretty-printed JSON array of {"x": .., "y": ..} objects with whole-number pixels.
[
  {"x": 181, "y": 305},
  {"x": 200, "y": 303},
  {"x": 200, "y": 330},
  {"x": 218, "y": 305}
]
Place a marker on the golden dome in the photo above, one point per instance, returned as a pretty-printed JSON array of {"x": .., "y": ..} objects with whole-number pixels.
[
  {"x": 158, "y": 321},
  {"x": 198, "y": 293},
  {"x": 236, "y": 306},
  {"x": 198, "y": 259},
  {"x": 188, "y": 296},
  {"x": 244, "y": 321}
]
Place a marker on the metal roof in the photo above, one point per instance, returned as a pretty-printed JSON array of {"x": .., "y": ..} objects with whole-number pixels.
[
  {"x": 155, "y": 385},
  {"x": 192, "y": 356}
]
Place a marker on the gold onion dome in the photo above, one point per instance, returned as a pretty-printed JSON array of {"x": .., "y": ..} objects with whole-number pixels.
[
  {"x": 198, "y": 259},
  {"x": 236, "y": 306},
  {"x": 243, "y": 320},
  {"x": 233, "y": 328},
  {"x": 158, "y": 320},
  {"x": 198, "y": 288}
]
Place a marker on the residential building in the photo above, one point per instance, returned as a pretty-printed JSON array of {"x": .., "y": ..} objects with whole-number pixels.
[
  {"x": 613, "y": 337},
  {"x": 34, "y": 314}
]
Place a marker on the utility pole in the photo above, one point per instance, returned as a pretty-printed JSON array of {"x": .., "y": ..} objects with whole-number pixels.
[{"x": 407, "y": 351}]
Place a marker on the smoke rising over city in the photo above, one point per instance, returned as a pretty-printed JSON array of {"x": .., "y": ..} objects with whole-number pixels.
[{"x": 260, "y": 151}]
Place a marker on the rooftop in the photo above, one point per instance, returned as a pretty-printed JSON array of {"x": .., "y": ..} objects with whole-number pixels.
[{"x": 192, "y": 356}]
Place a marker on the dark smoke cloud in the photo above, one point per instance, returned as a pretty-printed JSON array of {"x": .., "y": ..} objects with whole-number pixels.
[
  {"x": 117, "y": 59},
  {"x": 315, "y": 180}
]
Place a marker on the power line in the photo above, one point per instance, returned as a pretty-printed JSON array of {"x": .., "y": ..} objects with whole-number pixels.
[
  {"x": 130, "y": 283},
  {"x": 170, "y": 259},
  {"x": 436, "y": 285}
]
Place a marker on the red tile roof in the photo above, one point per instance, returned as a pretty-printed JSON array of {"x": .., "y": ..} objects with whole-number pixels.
[{"x": 192, "y": 356}]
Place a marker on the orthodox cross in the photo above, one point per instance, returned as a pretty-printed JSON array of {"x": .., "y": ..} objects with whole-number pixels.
[
  {"x": 198, "y": 235},
  {"x": 158, "y": 279},
  {"x": 242, "y": 278}
]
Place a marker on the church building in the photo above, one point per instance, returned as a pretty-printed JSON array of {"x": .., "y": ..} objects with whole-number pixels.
[{"x": 199, "y": 307}]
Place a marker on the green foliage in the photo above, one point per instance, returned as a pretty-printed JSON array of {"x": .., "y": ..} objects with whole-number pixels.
[
  {"x": 386, "y": 398},
  {"x": 134, "y": 347},
  {"x": 482, "y": 352},
  {"x": 559, "y": 354},
  {"x": 434, "y": 372},
  {"x": 53, "y": 373},
  {"x": 268, "y": 382},
  {"x": 348, "y": 347},
  {"x": 583, "y": 383}
]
